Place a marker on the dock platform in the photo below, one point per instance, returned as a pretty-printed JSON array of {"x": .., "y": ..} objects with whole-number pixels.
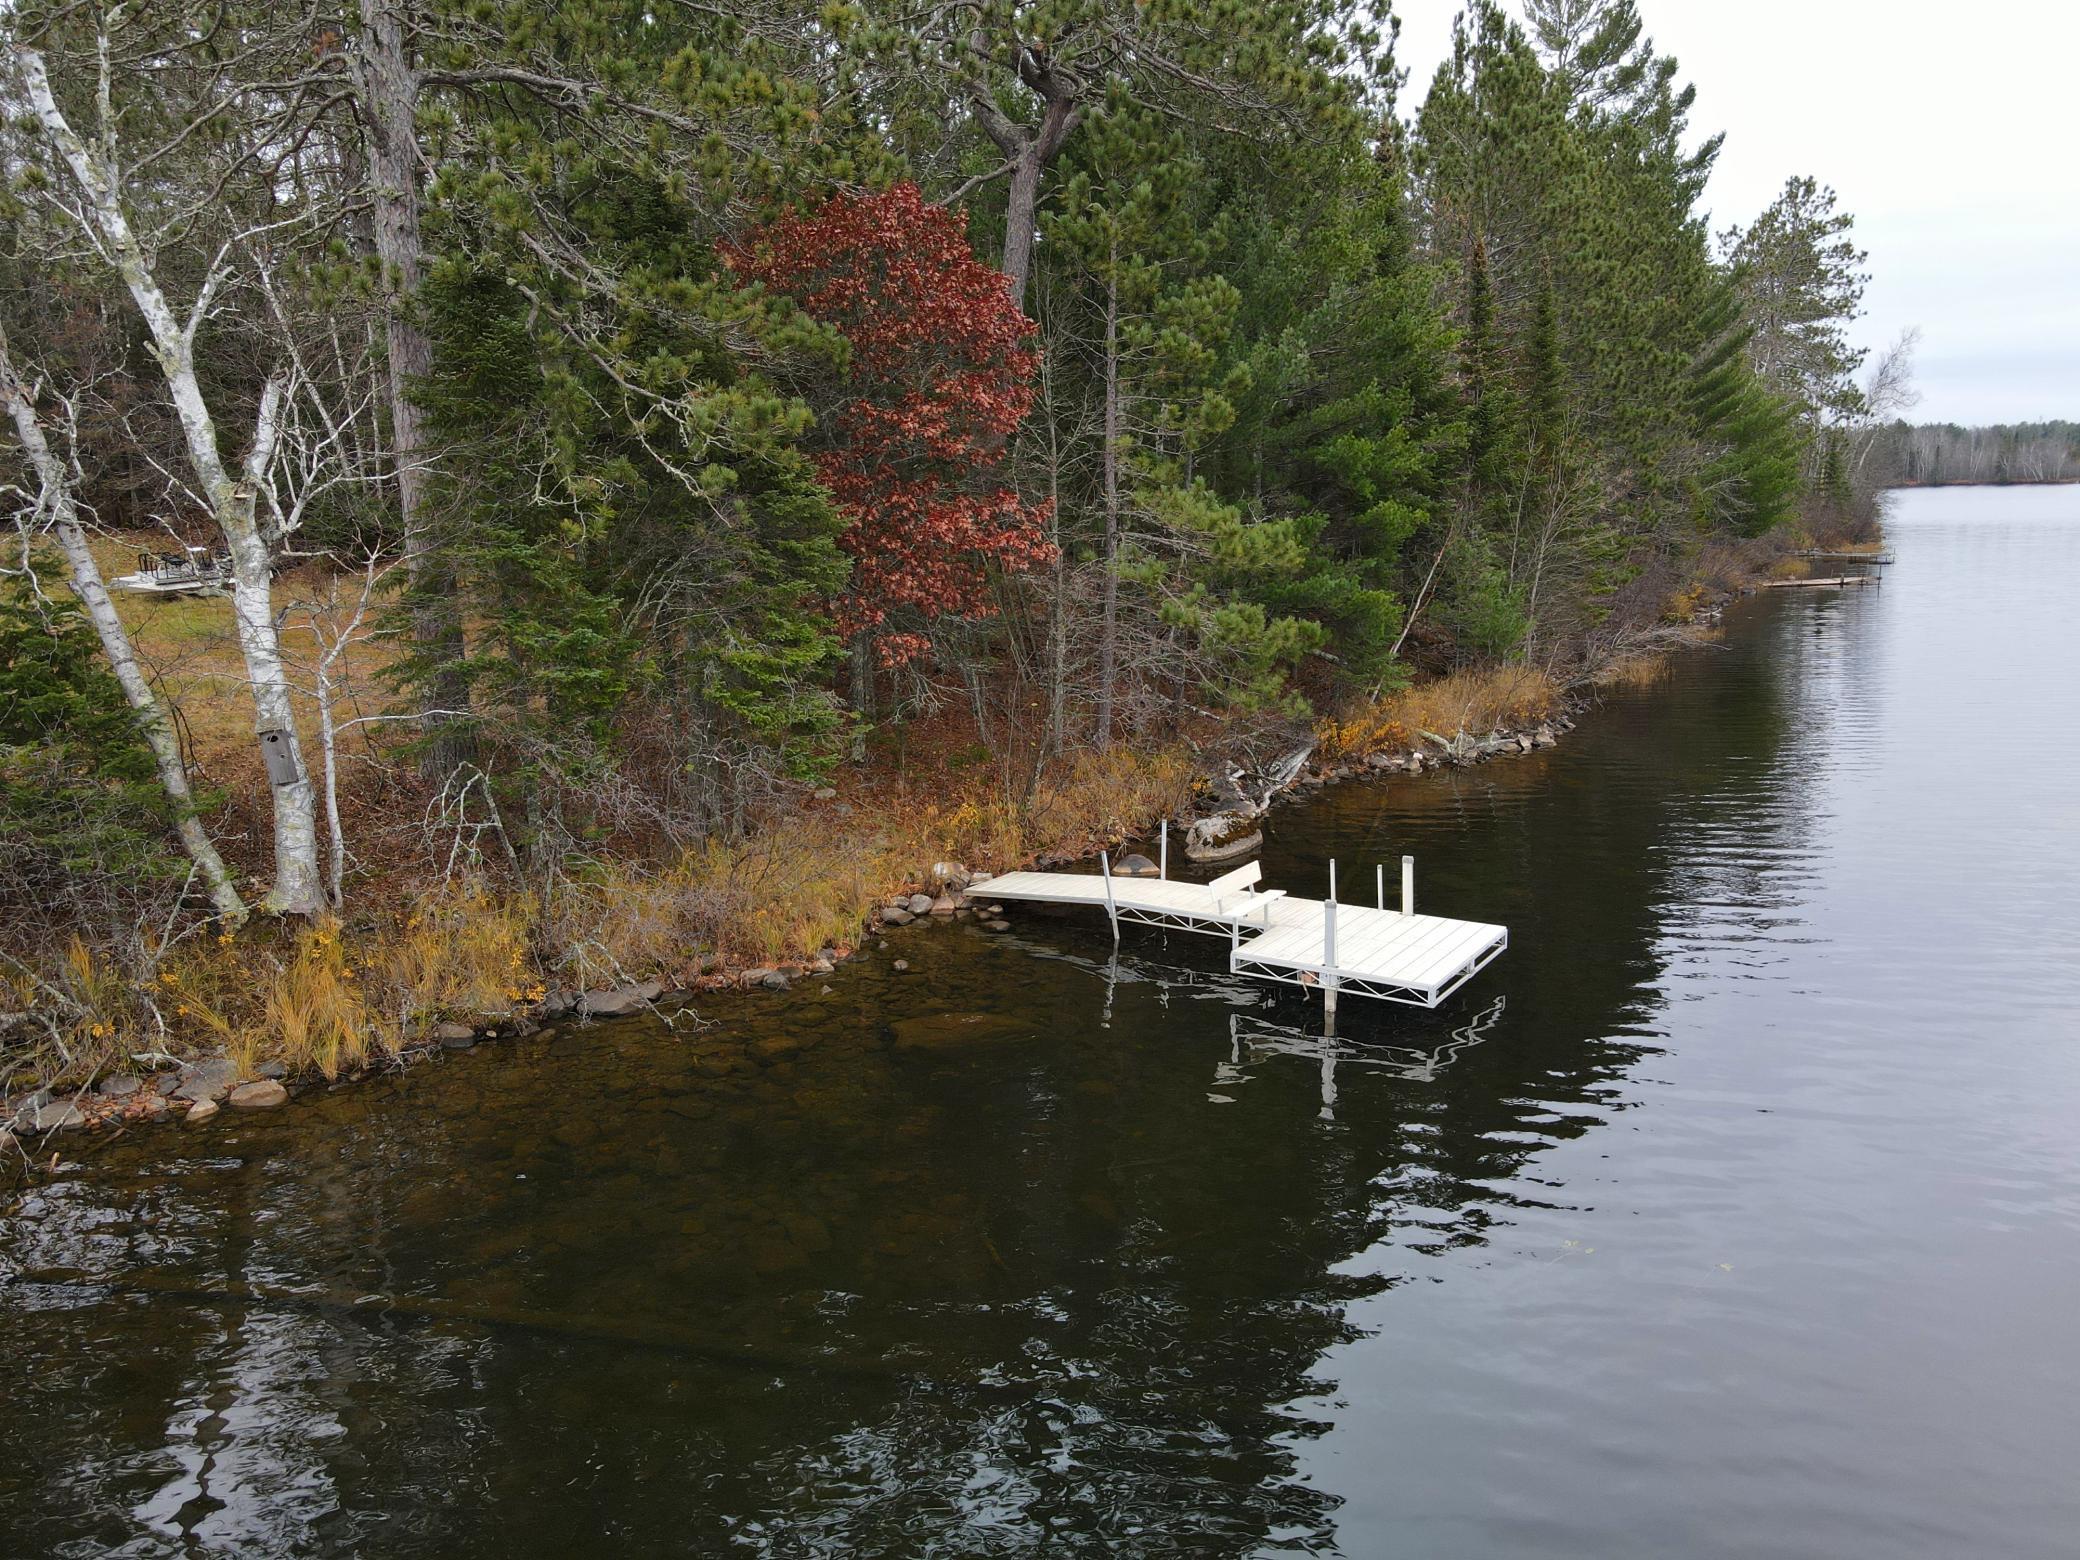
[{"x": 1394, "y": 955}]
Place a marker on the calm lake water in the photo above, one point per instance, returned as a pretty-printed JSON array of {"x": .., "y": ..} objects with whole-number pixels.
[{"x": 1735, "y": 1211}]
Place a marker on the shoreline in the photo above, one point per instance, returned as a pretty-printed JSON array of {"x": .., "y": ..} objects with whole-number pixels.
[{"x": 196, "y": 1090}]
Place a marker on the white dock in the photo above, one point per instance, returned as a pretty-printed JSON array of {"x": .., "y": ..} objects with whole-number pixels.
[{"x": 1395, "y": 954}]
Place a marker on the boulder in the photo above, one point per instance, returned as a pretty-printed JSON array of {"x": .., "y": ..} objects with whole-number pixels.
[
  {"x": 619, "y": 1001},
  {"x": 1543, "y": 737},
  {"x": 207, "y": 1081},
  {"x": 821, "y": 965},
  {"x": 58, "y": 1116},
  {"x": 947, "y": 903},
  {"x": 919, "y": 904},
  {"x": 450, "y": 1032},
  {"x": 1221, "y": 837},
  {"x": 264, "y": 1095},
  {"x": 556, "y": 1004},
  {"x": 950, "y": 872},
  {"x": 202, "y": 1110},
  {"x": 120, "y": 1086},
  {"x": 773, "y": 980},
  {"x": 271, "y": 1070},
  {"x": 979, "y": 877},
  {"x": 1136, "y": 866},
  {"x": 896, "y": 918}
]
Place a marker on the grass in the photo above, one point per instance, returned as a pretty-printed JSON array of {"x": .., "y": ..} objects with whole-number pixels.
[{"x": 1475, "y": 701}]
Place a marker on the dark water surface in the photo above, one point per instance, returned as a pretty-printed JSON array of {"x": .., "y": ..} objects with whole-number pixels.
[{"x": 1736, "y": 1211}]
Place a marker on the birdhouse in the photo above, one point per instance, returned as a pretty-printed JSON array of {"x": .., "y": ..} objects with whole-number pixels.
[{"x": 280, "y": 758}]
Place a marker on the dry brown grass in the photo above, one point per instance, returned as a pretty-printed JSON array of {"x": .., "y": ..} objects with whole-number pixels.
[{"x": 1475, "y": 701}]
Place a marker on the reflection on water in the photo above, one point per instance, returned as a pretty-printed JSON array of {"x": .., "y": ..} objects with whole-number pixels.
[{"x": 1731, "y": 1212}]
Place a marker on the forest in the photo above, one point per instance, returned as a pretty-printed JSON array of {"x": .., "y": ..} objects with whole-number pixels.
[
  {"x": 671, "y": 472},
  {"x": 1932, "y": 454}
]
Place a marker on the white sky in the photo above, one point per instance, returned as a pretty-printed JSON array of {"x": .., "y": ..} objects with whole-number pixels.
[{"x": 1952, "y": 132}]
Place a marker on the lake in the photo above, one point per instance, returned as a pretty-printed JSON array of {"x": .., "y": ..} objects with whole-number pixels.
[{"x": 1735, "y": 1211}]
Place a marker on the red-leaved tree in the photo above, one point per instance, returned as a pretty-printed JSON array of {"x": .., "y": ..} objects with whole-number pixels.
[{"x": 916, "y": 433}]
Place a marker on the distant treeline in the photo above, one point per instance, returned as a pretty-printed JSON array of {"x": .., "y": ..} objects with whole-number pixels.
[{"x": 1930, "y": 454}]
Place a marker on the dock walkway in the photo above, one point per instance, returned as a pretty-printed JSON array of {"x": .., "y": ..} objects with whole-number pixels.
[{"x": 1395, "y": 955}]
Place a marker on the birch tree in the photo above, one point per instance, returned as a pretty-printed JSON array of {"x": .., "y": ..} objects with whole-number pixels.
[
  {"x": 54, "y": 504},
  {"x": 91, "y": 189}
]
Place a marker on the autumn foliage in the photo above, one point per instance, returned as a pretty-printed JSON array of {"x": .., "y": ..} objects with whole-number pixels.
[{"x": 917, "y": 430}]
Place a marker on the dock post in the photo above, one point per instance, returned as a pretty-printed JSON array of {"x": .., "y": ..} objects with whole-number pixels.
[
  {"x": 1379, "y": 882},
  {"x": 1163, "y": 852},
  {"x": 1408, "y": 885},
  {"x": 1111, "y": 908},
  {"x": 1332, "y": 877},
  {"x": 1329, "y": 952}
]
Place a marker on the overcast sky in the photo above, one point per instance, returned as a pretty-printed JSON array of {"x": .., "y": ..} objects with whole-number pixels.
[{"x": 1952, "y": 132}]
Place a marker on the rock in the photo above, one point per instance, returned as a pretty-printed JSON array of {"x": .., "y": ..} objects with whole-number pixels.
[
  {"x": 900, "y": 966},
  {"x": 946, "y": 903},
  {"x": 120, "y": 1086},
  {"x": 825, "y": 793},
  {"x": 619, "y": 1001},
  {"x": 773, "y": 980},
  {"x": 1001, "y": 926},
  {"x": 958, "y": 1031},
  {"x": 1137, "y": 866},
  {"x": 207, "y": 1081},
  {"x": 454, "y": 1031},
  {"x": 271, "y": 1070},
  {"x": 995, "y": 910},
  {"x": 155, "y": 1106},
  {"x": 919, "y": 904},
  {"x": 7, "y": 1142},
  {"x": 897, "y": 917},
  {"x": 773, "y": 1047},
  {"x": 58, "y": 1116},
  {"x": 950, "y": 872},
  {"x": 202, "y": 1110},
  {"x": 556, "y": 1004},
  {"x": 165, "y": 1084},
  {"x": 1523, "y": 744},
  {"x": 264, "y": 1095},
  {"x": 821, "y": 966},
  {"x": 979, "y": 877},
  {"x": 1221, "y": 837},
  {"x": 1543, "y": 737},
  {"x": 461, "y": 1042},
  {"x": 519, "y": 1028}
]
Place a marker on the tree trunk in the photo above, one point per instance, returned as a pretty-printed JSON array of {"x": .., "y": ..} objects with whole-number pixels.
[
  {"x": 389, "y": 92},
  {"x": 143, "y": 699},
  {"x": 1108, "y": 635},
  {"x": 296, "y": 885},
  {"x": 1021, "y": 215}
]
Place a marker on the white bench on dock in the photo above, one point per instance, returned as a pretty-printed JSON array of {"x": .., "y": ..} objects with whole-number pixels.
[{"x": 1394, "y": 955}]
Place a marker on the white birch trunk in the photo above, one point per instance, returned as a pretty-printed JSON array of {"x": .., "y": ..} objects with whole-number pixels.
[
  {"x": 153, "y": 721},
  {"x": 297, "y": 889}
]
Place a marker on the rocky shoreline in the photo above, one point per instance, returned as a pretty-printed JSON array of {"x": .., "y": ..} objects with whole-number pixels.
[{"x": 199, "y": 1091}]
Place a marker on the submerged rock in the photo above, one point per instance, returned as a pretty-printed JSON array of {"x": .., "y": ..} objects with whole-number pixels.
[
  {"x": 264, "y": 1095},
  {"x": 958, "y": 1031},
  {"x": 1136, "y": 866}
]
